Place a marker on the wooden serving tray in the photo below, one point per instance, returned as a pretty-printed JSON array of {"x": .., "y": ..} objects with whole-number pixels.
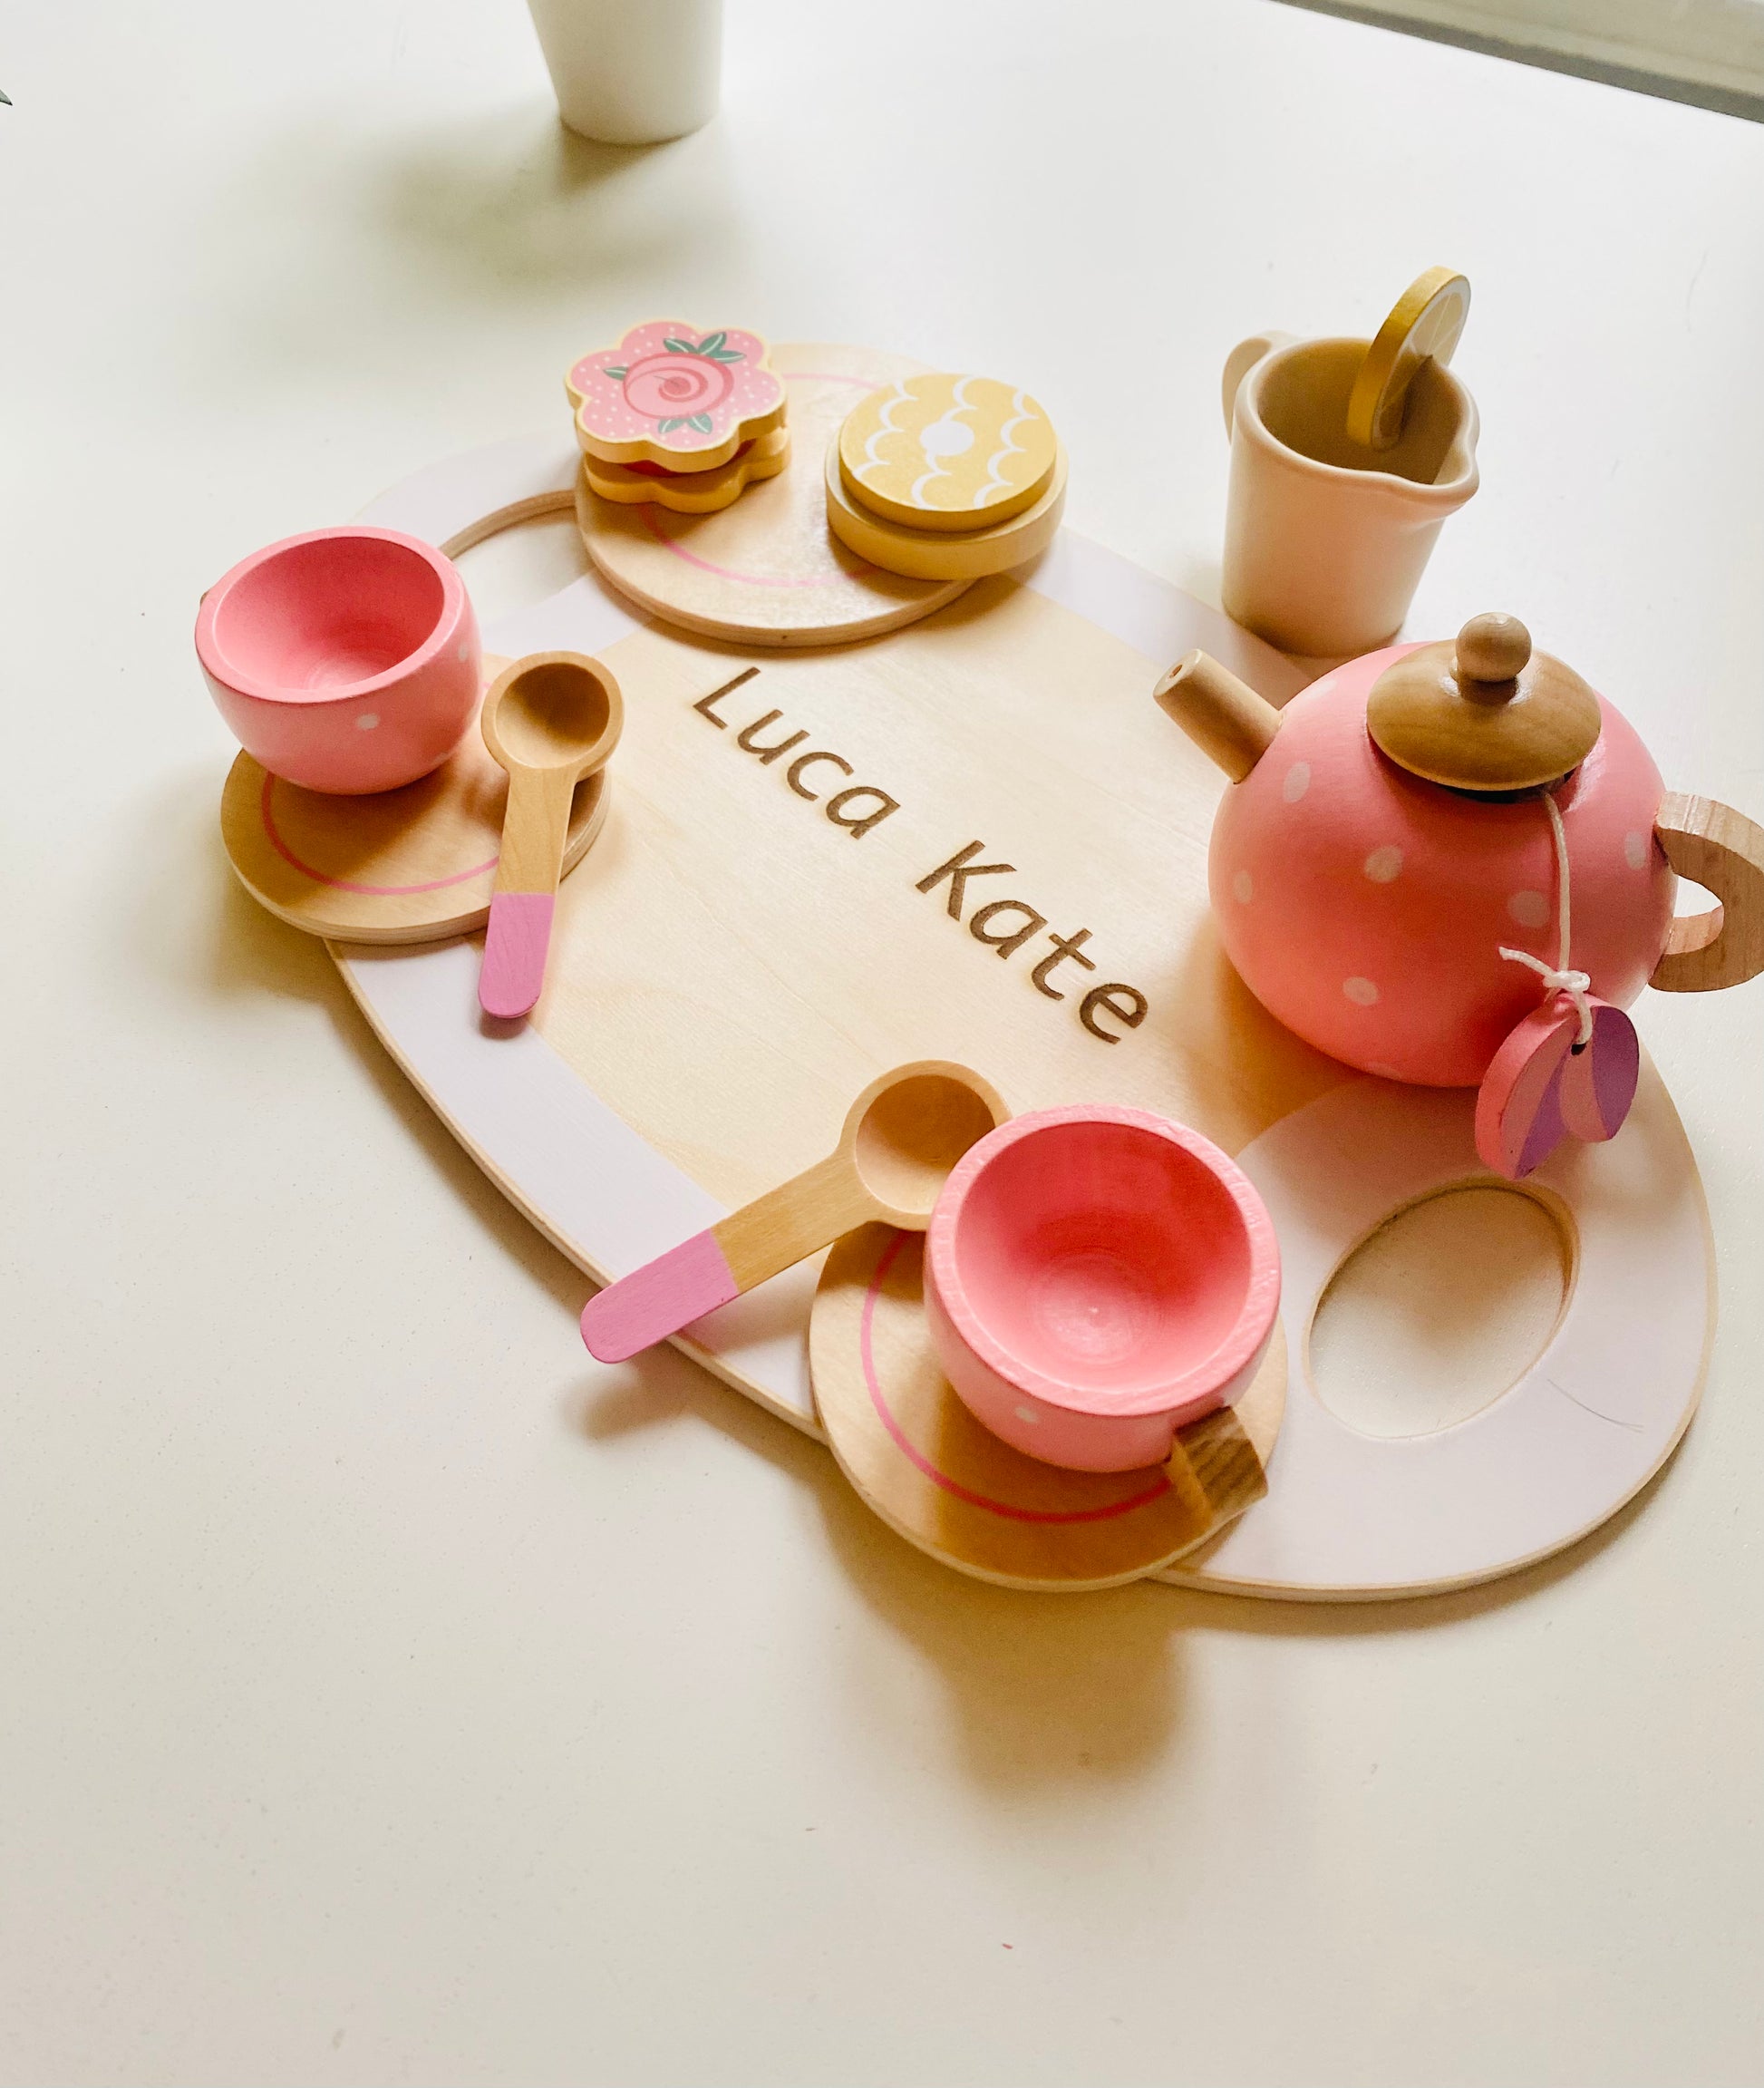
[{"x": 976, "y": 837}]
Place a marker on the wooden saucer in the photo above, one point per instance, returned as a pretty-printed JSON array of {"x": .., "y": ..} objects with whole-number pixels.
[
  {"x": 933, "y": 1473},
  {"x": 407, "y": 866},
  {"x": 766, "y": 570}
]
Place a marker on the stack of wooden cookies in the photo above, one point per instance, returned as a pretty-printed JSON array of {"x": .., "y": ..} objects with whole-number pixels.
[
  {"x": 945, "y": 477},
  {"x": 681, "y": 418}
]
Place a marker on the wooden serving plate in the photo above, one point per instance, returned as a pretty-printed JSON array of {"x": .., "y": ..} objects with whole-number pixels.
[{"x": 802, "y": 881}]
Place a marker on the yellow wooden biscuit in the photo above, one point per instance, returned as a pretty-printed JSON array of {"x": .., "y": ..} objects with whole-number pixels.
[
  {"x": 943, "y": 554},
  {"x": 945, "y": 452}
]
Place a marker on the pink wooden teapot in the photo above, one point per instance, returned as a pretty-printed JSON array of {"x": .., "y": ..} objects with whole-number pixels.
[{"x": 1455, "y": 864}]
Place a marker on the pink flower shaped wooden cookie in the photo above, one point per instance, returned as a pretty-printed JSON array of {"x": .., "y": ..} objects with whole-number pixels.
[{"x": 669, "y": 396}]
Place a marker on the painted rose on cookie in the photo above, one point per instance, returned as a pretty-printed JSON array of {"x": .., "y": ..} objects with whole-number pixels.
[{"x": 675, "y": 395}]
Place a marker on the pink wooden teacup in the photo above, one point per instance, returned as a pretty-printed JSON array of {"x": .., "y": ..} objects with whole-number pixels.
[
  {"x": 1096, "y": 1278},
  {"x": 345, "y": 660}
]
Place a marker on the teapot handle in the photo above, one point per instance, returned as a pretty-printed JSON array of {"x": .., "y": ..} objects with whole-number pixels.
[
  {"x": 1721, "y": 849},
  {"x": 1241, "y": 360}
]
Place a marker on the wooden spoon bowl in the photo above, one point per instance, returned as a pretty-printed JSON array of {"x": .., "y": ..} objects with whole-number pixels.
[
  {"x": 553, "y": 710},
  {"x": 904, "y": 1137}
]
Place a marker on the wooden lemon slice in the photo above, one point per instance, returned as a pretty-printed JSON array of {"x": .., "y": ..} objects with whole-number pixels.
[
  {"x": 1424, "y": 323},
  {"x": 945, "y": 452}
]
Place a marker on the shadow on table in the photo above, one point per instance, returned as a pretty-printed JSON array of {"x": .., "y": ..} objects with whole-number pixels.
[
  {"x": 196, "y": 929},
  {"x": 1049, "y": 1688},
  {"x": 1043, "y": 1690},
  {"x": 517, "y": 199},
  {"x": 454, "y": 228}
]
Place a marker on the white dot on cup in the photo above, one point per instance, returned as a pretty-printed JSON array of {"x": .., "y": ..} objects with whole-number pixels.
[
  {"x": 1298, "y": 781},
  {"x": 465, "y": 650},
  {"x": 1636, "y": 849},
  {"x": 1530, "y": 909},
  {"x": 1384, "y": 865},
  {"x": 1027, "y": 1414},
  {"x": 1242, "y": 887},
  {"x": 367, "y": 720},
  {"x": 1363, "y": 993}
]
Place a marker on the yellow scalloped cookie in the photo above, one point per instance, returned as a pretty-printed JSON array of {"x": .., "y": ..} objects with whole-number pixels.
[
  {"x": 943, "y": 554},
  {"x": 947, "y": 451}
]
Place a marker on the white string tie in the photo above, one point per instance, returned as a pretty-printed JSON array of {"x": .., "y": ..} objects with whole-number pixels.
[{"x": 1560, "y": 977}]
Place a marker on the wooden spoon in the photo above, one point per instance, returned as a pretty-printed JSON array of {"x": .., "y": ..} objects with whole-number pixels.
[
  {"x": 550, "y": 720},
  {"x": 902, "y": 1136}
]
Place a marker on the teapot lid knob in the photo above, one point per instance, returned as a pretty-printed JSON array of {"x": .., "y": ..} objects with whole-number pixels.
[
  {"x": 1483, "y": 712},
  {"x": 1492, "y": 649}
]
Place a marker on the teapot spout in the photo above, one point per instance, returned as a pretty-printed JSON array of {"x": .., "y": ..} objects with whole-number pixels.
[{"x": 1225, "y": 717}]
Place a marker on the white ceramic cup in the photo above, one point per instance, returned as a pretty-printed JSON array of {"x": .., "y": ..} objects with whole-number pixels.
[
  {"x": 1325, "y": 539},
  {"x": 632, "y": 71}
]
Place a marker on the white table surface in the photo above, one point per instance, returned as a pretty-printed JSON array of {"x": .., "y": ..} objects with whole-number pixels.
[{"x": 392, "y": 1694}]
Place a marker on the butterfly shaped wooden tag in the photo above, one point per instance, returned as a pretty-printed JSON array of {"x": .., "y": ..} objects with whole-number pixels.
[{"x": 1544, "y": 1085}]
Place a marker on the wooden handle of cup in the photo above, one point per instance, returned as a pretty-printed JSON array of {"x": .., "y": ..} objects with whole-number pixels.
[
  {"x": 1721, "y": 849},
  {"x": 1241, "y": 361},
  {"x": 1214, "y": 1468}
]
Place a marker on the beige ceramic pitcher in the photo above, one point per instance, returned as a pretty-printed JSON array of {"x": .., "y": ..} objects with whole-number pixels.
[{"x": 1326, "y": 538}]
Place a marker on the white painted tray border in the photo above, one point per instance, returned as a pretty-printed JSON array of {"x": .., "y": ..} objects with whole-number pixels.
[{"x": 1348, "y": 1515}]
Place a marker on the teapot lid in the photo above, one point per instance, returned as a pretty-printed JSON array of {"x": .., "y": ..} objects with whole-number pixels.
[{"x": 1483, "y": 712}]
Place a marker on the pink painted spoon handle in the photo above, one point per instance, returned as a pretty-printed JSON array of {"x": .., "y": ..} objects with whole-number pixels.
[
  {"x": 516, "y": 946},
  {"x": 660, "y": 1299},
  {"x": 772, "y": 1233},
  {"x": 535, "y": 830}
]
